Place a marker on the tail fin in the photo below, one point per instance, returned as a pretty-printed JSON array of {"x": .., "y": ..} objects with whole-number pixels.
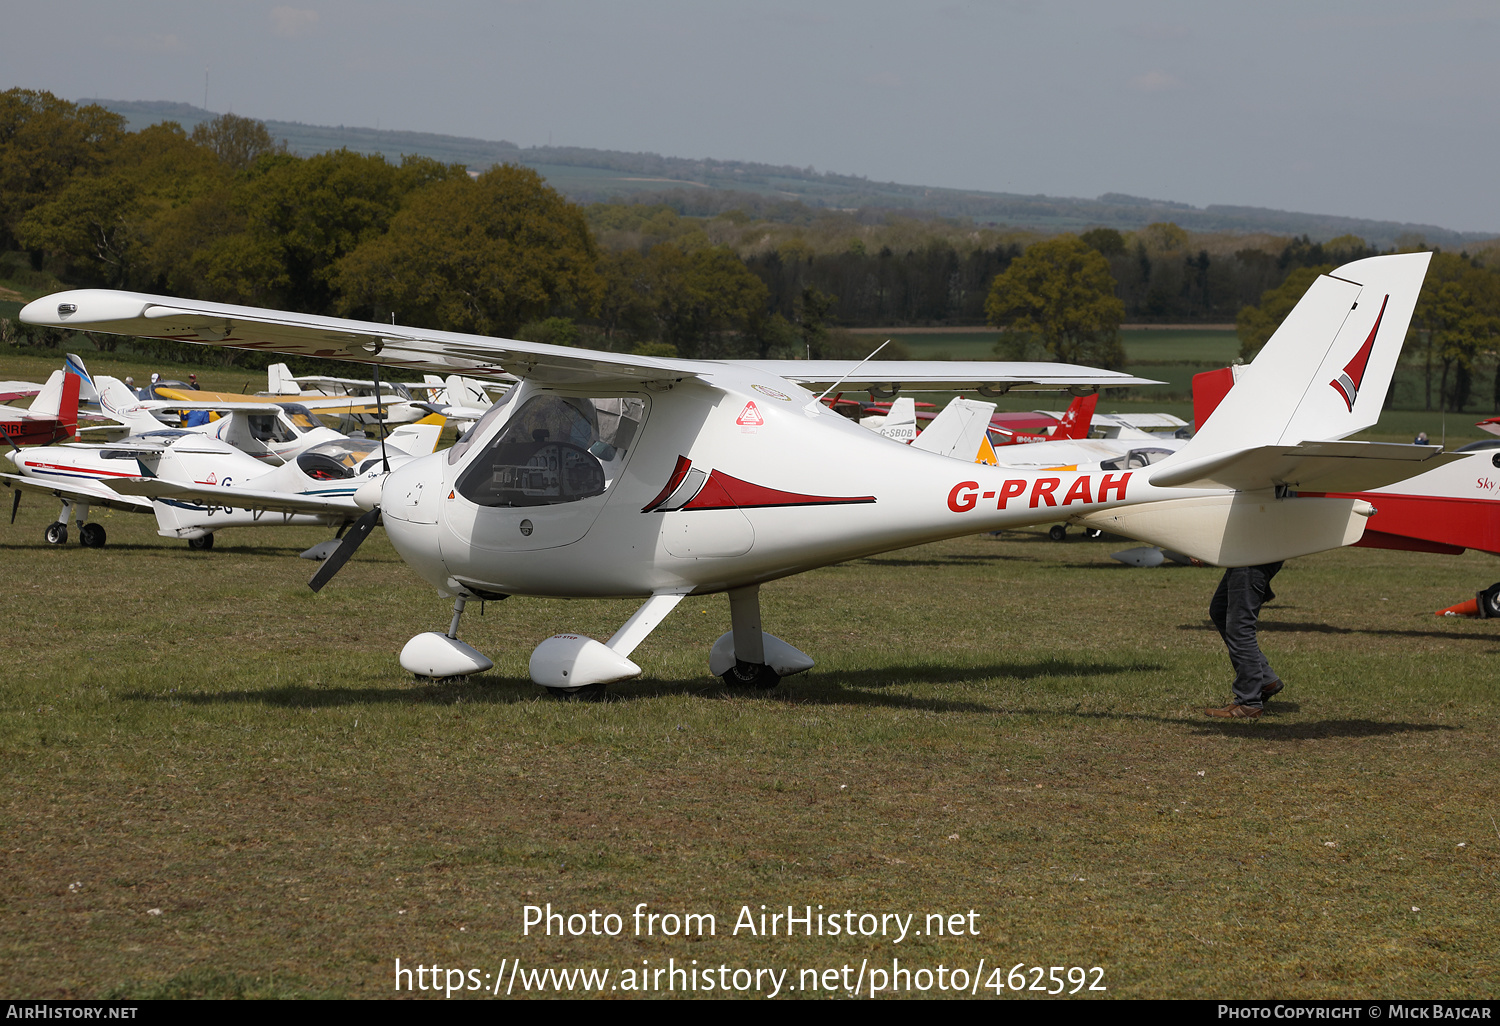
[
  {"x": 1077, "y": 419},
  {"x": 48, "y": 402},
  {"x": 899, "y": 423},
  {"x": 419, "y": 438},
  {"x": 279, "y": 380},
  {"x": 960, "y": 431},
  {"x": 67, "y": 414},
  {"x": 467, "y": 392},
  {"x": 1324, "y": 373},
  {"x": 119, "y": 402},
  {"x": 86, "y": 390}
]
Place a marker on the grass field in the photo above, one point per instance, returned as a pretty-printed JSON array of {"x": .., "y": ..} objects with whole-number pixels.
[{"x": 220, "y": 784}]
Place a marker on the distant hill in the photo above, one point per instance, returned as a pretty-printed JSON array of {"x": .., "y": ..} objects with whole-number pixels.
[{"x": 707, "y": 186}]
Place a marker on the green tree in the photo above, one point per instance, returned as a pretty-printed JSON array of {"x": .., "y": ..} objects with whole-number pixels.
[
  {"x": 44, "y": 143},
  {"x": 1455, "y": 322},
  {"x": 699, "y": 299},
  {"x": 482, "y": 255},
  {"x": 302, "y": 217},
  {"x": 1061, "y": 292},
  {"x": 1256, "y": 324},
  {"x": 104, "y": 221},
  {"x": 237, "y": 142}
]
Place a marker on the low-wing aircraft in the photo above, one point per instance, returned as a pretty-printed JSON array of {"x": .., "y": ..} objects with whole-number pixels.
[
  {"x": 208, "y": 484},
  {"x": 614, "y": 475}
]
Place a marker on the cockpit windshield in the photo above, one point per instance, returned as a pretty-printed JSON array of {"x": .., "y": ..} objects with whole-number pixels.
[
  {"x": 338, "y": 460},
  {"x": 1135, "y": 459},
  {"x": 300, "y": 416},
  {"x": 554, "y": 449}
]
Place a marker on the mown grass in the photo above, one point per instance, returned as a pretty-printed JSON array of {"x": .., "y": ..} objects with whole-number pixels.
[{"x": 1002, "y": 724}]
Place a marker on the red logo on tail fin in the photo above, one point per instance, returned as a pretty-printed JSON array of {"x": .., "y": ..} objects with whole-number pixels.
[{"x": 1347, "y": 384}]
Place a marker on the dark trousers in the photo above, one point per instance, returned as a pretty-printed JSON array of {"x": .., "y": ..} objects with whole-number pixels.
[{"x": 1235, "y": 610}]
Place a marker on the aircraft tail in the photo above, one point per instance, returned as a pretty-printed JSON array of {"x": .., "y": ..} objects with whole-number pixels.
[
  {"x": 419, "y": 438},
  {"x": 120, "y": 403},
  {"x": 900, "y": 423},
  {"x": 1325, "y": 372},
  {"x": 279, "y": 380},
  {"x": 959, "y": 431},
  {"x": 87, "y": 393},
  {"x": 1078, "y": 418},
  {"x": 467, "y": 392},
  {"x": 48, "y": 402}
]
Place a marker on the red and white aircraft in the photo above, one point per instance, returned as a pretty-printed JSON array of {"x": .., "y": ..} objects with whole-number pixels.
[
  {"x": 607, "y": 474},
  {"x": 53, "y": 414}
]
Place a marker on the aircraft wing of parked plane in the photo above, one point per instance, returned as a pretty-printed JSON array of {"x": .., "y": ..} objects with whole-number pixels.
[
  {"x": 491, "y": 359},
  {"x": 13, "y": 390}
]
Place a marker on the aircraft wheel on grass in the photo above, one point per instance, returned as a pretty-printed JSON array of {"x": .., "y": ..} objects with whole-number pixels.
[
  {"x": 582, "y": 693},
  {"x": 1058, "y": 533},
  {"x": 57, "y": 533},
  {"x": 750, "y": 677},
  {"x": 1489, "y": 602},
  {"x": 205, "y": 543},
  {"x": 92, "y": 536}
]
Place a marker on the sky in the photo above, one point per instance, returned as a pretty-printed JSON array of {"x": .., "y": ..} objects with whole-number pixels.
[{"x": 1373, "y": 109}]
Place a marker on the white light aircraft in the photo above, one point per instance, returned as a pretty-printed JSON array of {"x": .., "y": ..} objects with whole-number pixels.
[{"x": 612, "y": 475}]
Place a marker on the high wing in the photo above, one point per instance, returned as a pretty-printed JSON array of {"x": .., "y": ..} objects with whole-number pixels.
[
  {"x": 943, "y": 375},
  {"x": 445, "y": 352},
  {"x": 330, "y": 406},
  {"x": 238, "y": 498},
  {"x": 81, "y": 490}
]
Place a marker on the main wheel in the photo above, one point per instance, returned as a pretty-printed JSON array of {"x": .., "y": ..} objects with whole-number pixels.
[
  {"x": 1489, "y": 602},
  {"x": 92, "y": 536},
  {"x": 204, "y": 543},
  {"x": 582, "y": 693},
  {"x": 1058, "y": 533},
  {"x": 753, "y": 676},
  {"x": 57, "y": 533}
]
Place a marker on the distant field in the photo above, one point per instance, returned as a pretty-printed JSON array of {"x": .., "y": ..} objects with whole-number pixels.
[
  {"x": 1147, "y": 345},
  {"x": 219, "y": 784}
]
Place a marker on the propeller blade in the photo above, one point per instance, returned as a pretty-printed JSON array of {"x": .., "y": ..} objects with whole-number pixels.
[
  {"x": 15, "y": 505},
  {"x": 334, "y": 563}
]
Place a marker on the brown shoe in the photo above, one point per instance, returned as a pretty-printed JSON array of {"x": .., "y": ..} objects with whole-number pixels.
[
  {"x": 1271, "y": 690},
  {"x": 1235, "y": 711}
]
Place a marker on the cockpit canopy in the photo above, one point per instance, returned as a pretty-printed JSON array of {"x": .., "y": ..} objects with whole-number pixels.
[
  {"x": 554, "y": 449},
  {"x": 1135, "y": 459},
  {"x": 340, "y": 459}
]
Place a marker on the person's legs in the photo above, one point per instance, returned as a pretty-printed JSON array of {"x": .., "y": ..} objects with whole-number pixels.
[{"x": 1235, "y": 610}]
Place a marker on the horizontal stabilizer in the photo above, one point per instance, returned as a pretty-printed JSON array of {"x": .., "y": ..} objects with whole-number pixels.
[{"x": 1309, "y": 467}]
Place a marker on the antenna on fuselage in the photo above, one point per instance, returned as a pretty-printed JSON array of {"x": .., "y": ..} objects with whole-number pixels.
[{"x": 848, "y": 374}]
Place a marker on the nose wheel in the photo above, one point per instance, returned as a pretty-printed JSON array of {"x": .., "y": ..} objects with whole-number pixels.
[{"x": 57, "y": 533}]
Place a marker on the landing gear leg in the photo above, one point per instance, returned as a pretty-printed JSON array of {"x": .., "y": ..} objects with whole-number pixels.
[
  {"x": 440, "y": 656},
  {"x": 749, "y": 669}
]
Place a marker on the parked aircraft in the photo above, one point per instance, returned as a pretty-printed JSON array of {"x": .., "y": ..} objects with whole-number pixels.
[
  {"x": 86, "y": 475},
  {"x": 52, "y": 416},
  {"x": 607, "y": 474}
]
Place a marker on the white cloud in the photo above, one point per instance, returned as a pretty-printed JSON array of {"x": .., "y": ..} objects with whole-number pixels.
[{"x": 293, "y": 21}]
